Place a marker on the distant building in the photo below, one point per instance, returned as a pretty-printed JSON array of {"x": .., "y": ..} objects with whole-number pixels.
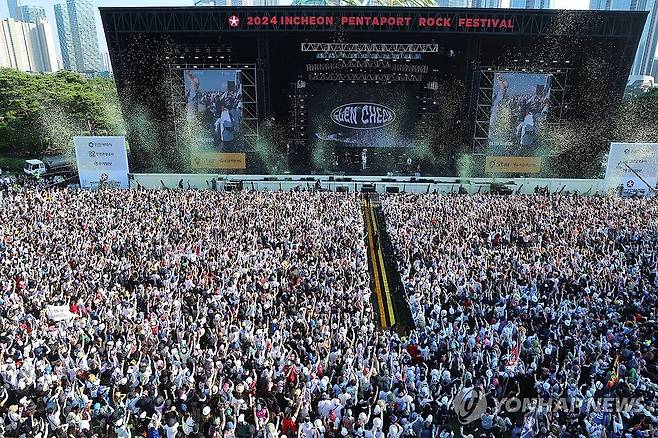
[
  {"x": 30, "y": 14},
  {"x": 65, "y": 37},
  {"x": 654, "y": 71},
  {"x": 27, "y": 46},
  {"x": 454, "y": 3},
  {"x": 646, "y": 51},
  {"x": 107, "y": 64},
  {"x": 487, "y": 4},
  {"x": 531, "y": 4},
  {"x": 13, "y": 6},
  {"x": 76, "y": 28}
]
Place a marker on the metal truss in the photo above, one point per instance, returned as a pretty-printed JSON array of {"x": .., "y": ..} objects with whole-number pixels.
[
  {"x": 410, "y": 68},
  {"x": 368, "y": 77},
  {"x": 367, "y": 65},
  {"x": 350, "y": 63},
  {"x": 559, "y": 87},
  {"x": 370, "y": 47},
  {"x": 368, "y": 55}
]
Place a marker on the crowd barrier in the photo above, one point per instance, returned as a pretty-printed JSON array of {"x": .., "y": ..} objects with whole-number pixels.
[{"x": 359, "y": 183}]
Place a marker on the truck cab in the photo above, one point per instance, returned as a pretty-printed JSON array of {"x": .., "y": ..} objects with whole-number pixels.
[{"x": 34, "y": 168}]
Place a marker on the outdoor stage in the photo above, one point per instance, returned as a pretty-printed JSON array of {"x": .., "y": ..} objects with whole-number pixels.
[{"x": 369, "y": 91}]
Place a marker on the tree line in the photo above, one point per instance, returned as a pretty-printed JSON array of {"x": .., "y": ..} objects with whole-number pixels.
[{"x": 41, "y": 113}]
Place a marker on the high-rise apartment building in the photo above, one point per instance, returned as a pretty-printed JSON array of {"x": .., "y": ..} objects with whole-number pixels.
[
  {"x": 454, "y": 3},
  {"x": 65, "y": 38},
  {"x": 531, "y": 4},
  {"x": 13, "y": 6},
  {"x": 76, "y": 28},
  {"x": 488, "y": 4},
  {"x": 107, "y": 64},
  {"x": 27, "y": 46},
  {"x": 30, "y": 14}
]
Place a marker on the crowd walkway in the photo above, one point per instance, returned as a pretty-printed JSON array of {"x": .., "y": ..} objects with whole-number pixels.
[{"x": 391, "y": 307}]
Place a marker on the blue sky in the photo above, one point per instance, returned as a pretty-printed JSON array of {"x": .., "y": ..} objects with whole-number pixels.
[{"x": 48, "y": 5}]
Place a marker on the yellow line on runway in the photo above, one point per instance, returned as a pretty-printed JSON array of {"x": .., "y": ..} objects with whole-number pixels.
[
  {"x": 389, "y": 302},
  {"x": 371, "y": 244}
]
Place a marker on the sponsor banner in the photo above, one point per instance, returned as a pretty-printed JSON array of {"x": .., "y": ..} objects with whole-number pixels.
[
  {"x": 101, "y": 160},
  {"x": 632, "y": 168},
  {"x": 512, "y": 164},
  {"x": 219, "y": 160},
  {"x": 59, "y": 313}
]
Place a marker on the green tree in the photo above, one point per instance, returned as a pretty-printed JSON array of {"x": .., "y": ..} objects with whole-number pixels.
[{"x": 40, "y": 113}]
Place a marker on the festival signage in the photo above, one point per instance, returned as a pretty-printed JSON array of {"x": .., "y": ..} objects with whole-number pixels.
[
  {"x": 496, "y": 164},
  {"x": 219, "y": 160},
  {"x": 632, "y": 168},
  {"x": 101, "y": 161},
  {"x": 446, "y": 22}
]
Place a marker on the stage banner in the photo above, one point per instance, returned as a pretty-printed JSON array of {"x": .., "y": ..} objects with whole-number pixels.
[
  {"x": 101, "y": 160},
  {"x": 632, "y": 168},
  {"x": 219, "y": 160},
  {"x": 497, "y": 164}
]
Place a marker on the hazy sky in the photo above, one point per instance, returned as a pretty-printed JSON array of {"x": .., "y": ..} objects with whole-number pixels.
[{"x": 48, "y": 4}]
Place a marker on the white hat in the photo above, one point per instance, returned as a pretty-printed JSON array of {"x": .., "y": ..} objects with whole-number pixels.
[
  {"x": 206, "y": 410},
  {"x": 377, "y": 422}
]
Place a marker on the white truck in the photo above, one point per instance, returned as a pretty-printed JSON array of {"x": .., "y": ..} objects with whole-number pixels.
[{"x": 59, "y": 165}]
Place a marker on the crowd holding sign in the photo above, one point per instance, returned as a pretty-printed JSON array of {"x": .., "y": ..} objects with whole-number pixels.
[{"x": 59, "y": 313}]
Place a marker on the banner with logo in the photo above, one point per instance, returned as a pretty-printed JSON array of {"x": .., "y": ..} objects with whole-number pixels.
[
  {"x": 102, "y": 161},
  {"x": 219, "y": 160},
  {"x": 496, "y": 164},
  {"x": 361, "y": 116},
  {"x": 632, "y": 168}
]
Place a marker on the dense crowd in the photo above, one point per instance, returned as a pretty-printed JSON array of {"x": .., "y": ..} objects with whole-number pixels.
[
  {"x": 546, "y": 300},
  {"x": 180, "y": 313}
]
